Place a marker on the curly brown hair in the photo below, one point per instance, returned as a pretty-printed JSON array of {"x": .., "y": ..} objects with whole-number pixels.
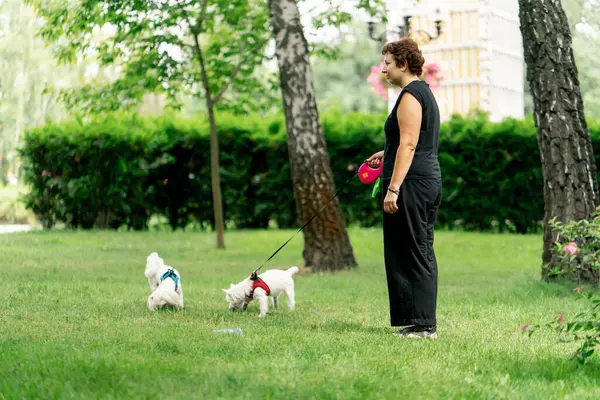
[{"x": 407, "y": 50}]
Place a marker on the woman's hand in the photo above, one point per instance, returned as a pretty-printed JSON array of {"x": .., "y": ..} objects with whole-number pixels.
[
  {"x": 389, "y": 203},
  {"x": 375, "y": 160}
]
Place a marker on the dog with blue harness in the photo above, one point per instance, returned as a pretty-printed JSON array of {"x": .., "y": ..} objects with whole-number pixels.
[{"x": 165, "y": 284}]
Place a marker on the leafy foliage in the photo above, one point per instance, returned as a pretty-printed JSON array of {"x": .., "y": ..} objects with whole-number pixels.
[
  {"x": 117, "y": 171},
  {"x": 577, "y": 247},
  {"x": 334, "y": 78},
  {"x": 577, "y": 244},
  {"x": 161, "y": 46},
  {"x": 583, "y": 328}
]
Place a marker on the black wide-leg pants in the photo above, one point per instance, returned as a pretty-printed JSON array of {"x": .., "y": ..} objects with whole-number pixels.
[{"x": 410, "y": 263}]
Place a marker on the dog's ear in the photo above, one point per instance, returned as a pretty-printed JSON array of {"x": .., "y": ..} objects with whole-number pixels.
[{"x": 225, "y": 290}]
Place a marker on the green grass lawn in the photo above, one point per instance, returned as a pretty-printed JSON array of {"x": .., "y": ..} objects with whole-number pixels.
[{"x": 74, "y": 323}]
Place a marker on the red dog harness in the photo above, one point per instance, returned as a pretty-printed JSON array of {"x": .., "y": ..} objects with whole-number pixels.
[{"x": 258, "y": 283}]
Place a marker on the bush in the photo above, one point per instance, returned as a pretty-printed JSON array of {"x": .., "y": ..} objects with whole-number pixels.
[
  {"x": 90, "y": 176},
  {"x": 577, "y": 249},
  {"x": 119, "y": 170},
  {"x": 583, "y": 327}
]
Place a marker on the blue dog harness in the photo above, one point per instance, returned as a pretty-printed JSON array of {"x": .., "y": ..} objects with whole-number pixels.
[{"x": 171, "y": 274}]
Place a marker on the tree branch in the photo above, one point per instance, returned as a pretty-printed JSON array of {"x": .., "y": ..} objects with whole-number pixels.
[
  {"x": 202, "y": 14},
  {"x": 195, "y": 31},
  {"x": 232, "y": 77},
  {"x": 205, "y": 81},
  {"x": 237, "y": 70},
  {"x": 197, "y": 28}
]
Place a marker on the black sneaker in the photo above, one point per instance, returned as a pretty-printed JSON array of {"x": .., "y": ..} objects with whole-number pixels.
[
  {"x": 422, "y": 332},
  {"x": 404, "y": 331}
]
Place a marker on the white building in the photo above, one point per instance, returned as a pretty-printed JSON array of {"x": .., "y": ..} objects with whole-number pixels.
[{"x": 480, "y": 52}]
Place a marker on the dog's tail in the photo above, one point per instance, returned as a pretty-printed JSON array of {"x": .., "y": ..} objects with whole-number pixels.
[{"x": 292, "y": 270}]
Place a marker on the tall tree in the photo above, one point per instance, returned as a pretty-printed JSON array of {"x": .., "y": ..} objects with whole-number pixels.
[
  {"x": 584, "y": 22},
  {"x": 326, "y": 242},
  {"x": 27, "y": 69},
  {"x": 177, "y": 47},
  {"x": 568, "y": 165}
]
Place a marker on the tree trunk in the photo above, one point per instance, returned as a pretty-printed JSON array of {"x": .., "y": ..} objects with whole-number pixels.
[
  {"x": 326, "y": 242},
  {"x": 216, "y": 178},
  {"x": 568, "y": 165}
]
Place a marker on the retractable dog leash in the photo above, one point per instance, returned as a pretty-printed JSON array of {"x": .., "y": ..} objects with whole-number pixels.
[{"x": 366, "y": 174}]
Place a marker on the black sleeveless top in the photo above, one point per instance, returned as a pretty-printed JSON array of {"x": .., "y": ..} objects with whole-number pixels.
[{"x": 425, "y": 164}]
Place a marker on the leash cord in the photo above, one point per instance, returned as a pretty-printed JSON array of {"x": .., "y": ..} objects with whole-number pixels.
[{"x": 303, "y": 226}]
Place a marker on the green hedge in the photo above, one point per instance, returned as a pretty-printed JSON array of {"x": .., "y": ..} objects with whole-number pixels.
[{"x": 120, "y": 170}]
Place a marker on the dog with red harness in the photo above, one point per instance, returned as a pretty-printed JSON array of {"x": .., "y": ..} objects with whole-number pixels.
[{"x": 271, "y": 283}]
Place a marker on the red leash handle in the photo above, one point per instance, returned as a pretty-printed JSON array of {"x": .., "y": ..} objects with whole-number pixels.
[{"x": 368, "y": 175}]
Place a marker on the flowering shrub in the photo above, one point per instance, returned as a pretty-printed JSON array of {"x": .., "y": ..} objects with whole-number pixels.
[
  {"x": 583, "y": 327},
  {"x": 577, "y": 246},
  {"x": 378, "y": 81},
  {"x": 431, "y": 75}
]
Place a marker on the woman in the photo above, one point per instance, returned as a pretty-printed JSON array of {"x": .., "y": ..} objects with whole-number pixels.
[{"x": 412, "y": 186}]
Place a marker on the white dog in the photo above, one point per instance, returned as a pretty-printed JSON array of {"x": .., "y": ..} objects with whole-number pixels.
[
  {"x": 270, "y": 283},
  {"x": 165, "y": 284}
]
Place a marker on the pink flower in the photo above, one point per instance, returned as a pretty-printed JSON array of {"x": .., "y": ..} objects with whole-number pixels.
[
  {"x": 433, "y": 68},
  {"x": 525, "y": 327},
  {"x": 560, "y": 318},
  {"x": 571, "y": 248},
  {"x": 377, "y": 81},
  {"x": 577, "y": 290},
  {"x": 431, "y": 75},
  {"x": 45, "y": 173}
]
